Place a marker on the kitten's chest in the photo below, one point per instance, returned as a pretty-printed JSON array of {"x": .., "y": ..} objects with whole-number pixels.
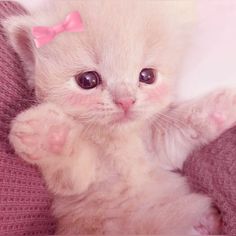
[{"x": 128, "y": 159}]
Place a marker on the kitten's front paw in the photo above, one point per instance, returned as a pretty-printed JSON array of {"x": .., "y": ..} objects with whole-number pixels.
[
  {"x": 214, "y": 113},
  {"x": 223, "y": 109},
  {"x": 41, "y": 132}
]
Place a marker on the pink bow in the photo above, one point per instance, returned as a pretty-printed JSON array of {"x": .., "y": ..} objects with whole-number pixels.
[{"x": 43, "y": 35}]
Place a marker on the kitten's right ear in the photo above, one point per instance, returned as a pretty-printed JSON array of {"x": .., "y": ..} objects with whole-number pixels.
[{"x": 19, "y": 34}]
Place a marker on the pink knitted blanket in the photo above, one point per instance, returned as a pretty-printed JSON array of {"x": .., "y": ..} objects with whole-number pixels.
[
  {"x": 24, "y": 200},
  {"x": 212, "y": 170}
]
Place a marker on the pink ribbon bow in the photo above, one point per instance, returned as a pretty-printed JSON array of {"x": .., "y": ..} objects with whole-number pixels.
[{"x": 43, "y": 35}]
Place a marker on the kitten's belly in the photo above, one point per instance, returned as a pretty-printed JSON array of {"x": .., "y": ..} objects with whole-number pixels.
[
  {"x": 119, "y": 205},
  {"x": 131, "y": 195}
]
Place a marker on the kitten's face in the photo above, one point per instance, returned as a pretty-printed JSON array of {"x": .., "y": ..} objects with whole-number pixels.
[{"x": 121, "y": 69}]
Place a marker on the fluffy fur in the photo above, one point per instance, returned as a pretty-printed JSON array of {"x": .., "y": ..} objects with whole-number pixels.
[{"x": 111, "y": 175}]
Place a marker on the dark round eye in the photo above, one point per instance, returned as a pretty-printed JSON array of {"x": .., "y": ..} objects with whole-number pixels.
[
  {"x": 88, "y": 80},
  {"x": 147, "y": 76}
]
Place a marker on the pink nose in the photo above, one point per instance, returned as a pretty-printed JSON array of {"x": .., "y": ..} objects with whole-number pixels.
[{"x": 125, "y": 103}]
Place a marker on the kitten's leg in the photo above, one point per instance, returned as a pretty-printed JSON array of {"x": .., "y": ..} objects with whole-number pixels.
[
  {"x": 195, "y": 123},
  {"x": 45, "y": 136}
]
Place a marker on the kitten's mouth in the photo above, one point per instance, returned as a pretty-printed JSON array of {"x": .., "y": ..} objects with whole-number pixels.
[{"x": 123, "y": 118}]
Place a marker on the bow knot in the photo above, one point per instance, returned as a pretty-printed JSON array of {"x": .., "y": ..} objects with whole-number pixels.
[{"x": 43, "y": 35}]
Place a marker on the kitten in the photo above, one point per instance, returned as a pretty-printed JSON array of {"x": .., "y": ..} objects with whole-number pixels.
[{"x": 107, "y": 134}]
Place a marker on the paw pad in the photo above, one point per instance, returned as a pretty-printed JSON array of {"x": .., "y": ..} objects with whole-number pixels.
[
  {"x": 56, "y": 139},
  {"x": 218, "y": 118}
]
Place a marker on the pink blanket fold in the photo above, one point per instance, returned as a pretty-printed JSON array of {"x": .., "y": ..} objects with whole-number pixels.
[
  {"x": 212, "y": 170},
  {"x": 24, "y": 200}
]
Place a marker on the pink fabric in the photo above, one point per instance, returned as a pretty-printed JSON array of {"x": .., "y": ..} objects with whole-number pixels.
[
  {"x": 43, "y": 35},
  {"x": 212, "y": 170},
  {"x": 24, "y": 200}
]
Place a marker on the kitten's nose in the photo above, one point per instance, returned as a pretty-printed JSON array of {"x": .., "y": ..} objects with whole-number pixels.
[{"x": 125, "y": 103}]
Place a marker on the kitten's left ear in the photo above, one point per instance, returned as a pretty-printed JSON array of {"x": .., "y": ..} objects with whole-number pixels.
[{"x": 18, "y": 32}]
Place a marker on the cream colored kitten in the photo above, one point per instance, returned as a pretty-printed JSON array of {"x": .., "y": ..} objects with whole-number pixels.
[{"x": 108, "y": 134}]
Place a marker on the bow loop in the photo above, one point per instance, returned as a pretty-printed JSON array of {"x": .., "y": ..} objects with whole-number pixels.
[
  {"x": 43, "y": 35},
  {"x": 73, "y": 22}
]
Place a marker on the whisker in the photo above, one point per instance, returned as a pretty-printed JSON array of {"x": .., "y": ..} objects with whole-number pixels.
[
  {"x": 172, "y": 119},
  {"x": 159, "y": 125},
  {"x": 168, "y": 120}
]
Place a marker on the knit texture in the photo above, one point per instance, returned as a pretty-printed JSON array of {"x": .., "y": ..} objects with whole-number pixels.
[
  {"x": 212, "y": 170},
  {"x": 24, "y": 200}
]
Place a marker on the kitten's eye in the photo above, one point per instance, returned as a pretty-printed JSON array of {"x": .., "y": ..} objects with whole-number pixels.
[
  {"x": 88, "y": 80},
  {"x": 147, "y": 76}
]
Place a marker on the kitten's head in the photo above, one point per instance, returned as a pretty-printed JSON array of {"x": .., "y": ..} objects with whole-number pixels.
[{"x": 121, "y": 69}]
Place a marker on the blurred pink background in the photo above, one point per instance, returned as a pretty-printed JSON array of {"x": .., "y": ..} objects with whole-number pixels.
[{"x": 212, "y": 61}]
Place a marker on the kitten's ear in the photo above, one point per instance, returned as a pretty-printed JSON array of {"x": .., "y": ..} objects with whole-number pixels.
[
  {"x": 34, "y": 5},
  {"x": 18, "y": 32}
]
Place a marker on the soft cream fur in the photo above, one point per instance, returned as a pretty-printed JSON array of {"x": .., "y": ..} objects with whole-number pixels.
[{"x": 112, "y": 177}]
